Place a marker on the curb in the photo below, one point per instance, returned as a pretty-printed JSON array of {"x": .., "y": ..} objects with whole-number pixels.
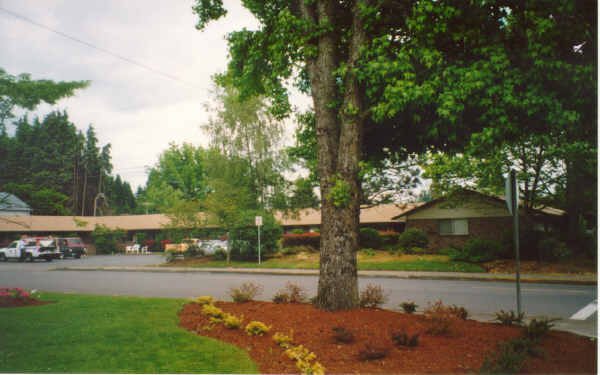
[{"x": 374, "y": 274}]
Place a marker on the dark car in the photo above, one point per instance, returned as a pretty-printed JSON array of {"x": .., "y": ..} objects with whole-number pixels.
[{"x": 72, "y": 247}]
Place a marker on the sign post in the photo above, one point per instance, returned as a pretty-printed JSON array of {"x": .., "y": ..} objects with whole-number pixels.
[
  {"x": 258, "y": 220},
  {"x": 512, "y": 201}
]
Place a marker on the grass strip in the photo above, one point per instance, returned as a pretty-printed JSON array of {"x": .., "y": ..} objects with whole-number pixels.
[
  {"x": 102, "y": 334},
  {"x": 414, "y": 265}
]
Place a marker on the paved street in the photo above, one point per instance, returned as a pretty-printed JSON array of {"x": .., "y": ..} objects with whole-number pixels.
[{"x": 481, "y": 298}]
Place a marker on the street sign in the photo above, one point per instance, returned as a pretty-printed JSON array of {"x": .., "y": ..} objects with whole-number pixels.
[
  {"x": 258, "y": 220},
  {"x": 509, "y": 188}
]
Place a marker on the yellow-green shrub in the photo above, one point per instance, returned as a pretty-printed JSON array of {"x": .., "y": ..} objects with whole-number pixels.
[
  {"x": 204, "y": 300},
  {"x": 283, "y": 340},
  {"x": 213, "y": 311},
  {"x": 257, "y": 328},
  {"x": 233, "y": 322}
]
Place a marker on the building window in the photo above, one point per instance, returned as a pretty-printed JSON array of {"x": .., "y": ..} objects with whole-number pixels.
[{"x": 454, "y": 227}]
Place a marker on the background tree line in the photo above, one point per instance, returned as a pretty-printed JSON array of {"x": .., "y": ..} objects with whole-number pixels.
[{"x": 49, "y": 163}]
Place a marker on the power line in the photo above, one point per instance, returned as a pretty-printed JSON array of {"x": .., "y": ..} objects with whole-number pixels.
[{"x": 90, "y": 45}]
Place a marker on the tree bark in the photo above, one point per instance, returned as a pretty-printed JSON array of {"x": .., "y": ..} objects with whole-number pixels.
[{"x": 339, "y": 134}]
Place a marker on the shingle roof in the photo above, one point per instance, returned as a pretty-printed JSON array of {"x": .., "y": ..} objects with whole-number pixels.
[
  {"x": 307, "y": 217},
  {"x": 9, "y": 202}
]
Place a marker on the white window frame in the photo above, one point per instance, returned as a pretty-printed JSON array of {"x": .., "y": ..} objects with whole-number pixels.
[{"x": 457, "y": 227}]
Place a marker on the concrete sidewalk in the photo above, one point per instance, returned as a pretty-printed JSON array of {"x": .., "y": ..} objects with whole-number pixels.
[{"x": 526, "y": 278}]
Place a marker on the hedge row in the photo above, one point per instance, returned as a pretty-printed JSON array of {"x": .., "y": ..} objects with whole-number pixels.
[
  {"x": 312, "y": 239},
  {"x": 370, "y": 238}
]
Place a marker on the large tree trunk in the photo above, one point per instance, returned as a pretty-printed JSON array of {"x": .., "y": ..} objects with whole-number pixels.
[{"x": 338, "y": 141}]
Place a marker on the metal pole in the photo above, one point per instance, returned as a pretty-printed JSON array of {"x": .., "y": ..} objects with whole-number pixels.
[
  {"x": 259, "y": 244},
  {"x": 515, "y": 206}
]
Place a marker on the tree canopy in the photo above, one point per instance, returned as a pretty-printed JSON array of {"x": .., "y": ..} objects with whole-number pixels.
[{"x": 411, "y": 77}]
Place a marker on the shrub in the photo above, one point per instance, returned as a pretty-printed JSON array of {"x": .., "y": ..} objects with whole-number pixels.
[
  {"x": 297, "y": 231},
  {"x": 476, "y": 250},
  {"x": 193, "y": 251},
  {"x": 220, "y": 254},
  {"x": 439, "y": 319},
  {"x": 281, "y": 297},
  {"x": 232, "y": 322},
  {"x": 245, "y": 292},
  {"x": 368, "y": 252},
  {"x": 552, "y": 249},
  {"x": 342, "y": 335},
  {"x": 459, "y": 312},
  {"x": 171, "y": 256},
  {"x": 106, "y": 239},
  {"x": 296, "y": 293},
  {"x": 409, "y": 307},
  {"x": 508, "y": 360},
  {"x": 243, "y": 238},
  {"x": 508, "y": 318},
  {"x": 372, "y": 296},
  {"x": 150, "y": 244},
  {"x": 370, "y": 238},
  {"x": 373, "y": 352},
  {"x": 537, "y": 329},
  {"x": 204, "y": 300},
  {"x": 402, "y": 339},
  {"x": 213, "y": 311},
  {"x": 389, "y": 238},
  {"x": 255, "y": 328},
  {"x": 283, "y": 340},
  {"x": 413, "y": 237},
  {"x": 164, "y": 243},
  {"x": 312, "y": 240}
]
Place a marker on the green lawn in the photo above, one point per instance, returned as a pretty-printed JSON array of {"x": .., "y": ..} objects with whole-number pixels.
[
  {"x": 382, "y": 261},
  {"x": 100, "y": 334}
]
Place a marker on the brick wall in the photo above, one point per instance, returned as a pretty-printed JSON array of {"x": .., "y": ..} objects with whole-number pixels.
[{"x": 495, "y": 228}]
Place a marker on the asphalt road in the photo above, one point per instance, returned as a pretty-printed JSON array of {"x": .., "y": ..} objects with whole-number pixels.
[{"x": 479, "y": 298}]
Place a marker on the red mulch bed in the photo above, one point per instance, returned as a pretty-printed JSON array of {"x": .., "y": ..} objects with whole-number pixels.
[
  {"x": 20, "y": 302},
  {"x": 463, "y": 351}
]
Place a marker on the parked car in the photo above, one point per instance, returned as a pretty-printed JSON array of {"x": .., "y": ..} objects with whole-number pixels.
[
  {"x": 72, "y": 247},
  {"x": 30, "y": 249}
]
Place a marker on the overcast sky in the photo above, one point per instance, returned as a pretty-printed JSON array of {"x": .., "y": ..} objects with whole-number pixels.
[{"x": 136, "y": 110}]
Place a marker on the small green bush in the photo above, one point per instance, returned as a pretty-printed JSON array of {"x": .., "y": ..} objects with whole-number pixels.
[
  {"x": 552, "y": 249},
  {"x": 368, "y": 252},
  {"x": 370, "y": 238},
  {"x": 106, "y": 239},
  {"x": 373, "y": 352},
  {"x": 297, "y": 231},
  {"x": 413, "y": 237},
  {"x": 220, "y": 254},
  {"x": 342, "y": 335},
  {"x": 389, "y": 238},
  {"x": 192, "y": 251},
  {"x": 245, "y": 292},
  {"x": 459, "y": 312},
  {"x": 372, "y": 296},
  {"x": 508, "y": 360},
  {"x": 409, "y": 307},
  {"x": 477, "y": 250},
  {"x": 509, "y": 318},
  {"x": 402, "y": 339},
  {"x": 538, "y": 328}
]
